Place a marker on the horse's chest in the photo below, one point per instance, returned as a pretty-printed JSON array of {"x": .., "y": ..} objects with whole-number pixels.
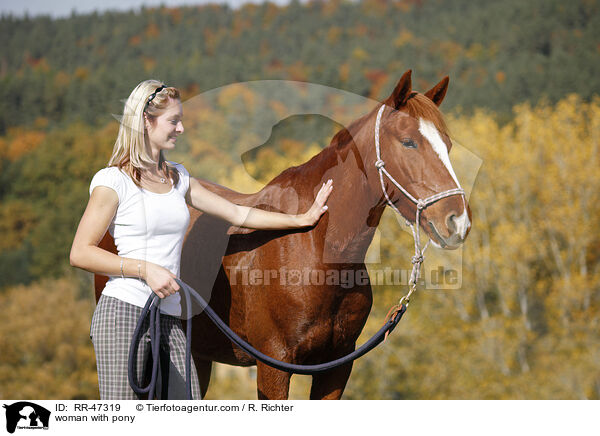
[{"x": 336, "y": 328}]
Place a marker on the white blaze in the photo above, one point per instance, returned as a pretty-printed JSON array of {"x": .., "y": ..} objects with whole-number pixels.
[{"x": 429, "y": 131}]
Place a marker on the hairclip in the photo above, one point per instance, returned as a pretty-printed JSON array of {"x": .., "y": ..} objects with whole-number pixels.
[{"x": 160, "y": 88}]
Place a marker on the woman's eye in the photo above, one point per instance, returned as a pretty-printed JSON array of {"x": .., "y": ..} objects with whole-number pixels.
[{"x": 409, "y": 143}]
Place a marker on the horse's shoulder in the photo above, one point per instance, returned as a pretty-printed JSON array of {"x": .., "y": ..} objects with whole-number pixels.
[
  {"x": 269, "y": 195},
  {"x": 228, "y": 194}
]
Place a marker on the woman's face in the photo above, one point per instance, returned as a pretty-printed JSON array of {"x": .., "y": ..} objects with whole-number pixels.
[{"x": 163, "y": 133}]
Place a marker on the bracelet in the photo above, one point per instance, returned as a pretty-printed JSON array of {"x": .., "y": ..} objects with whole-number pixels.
[
  {"x": 122, "y": 276},
  {"x": 139, "y": 270}
]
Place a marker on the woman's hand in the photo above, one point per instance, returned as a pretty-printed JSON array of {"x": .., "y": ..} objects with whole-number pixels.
[
  {"x": 319, "y": 208},
  {"x": 161, "y": 280}
]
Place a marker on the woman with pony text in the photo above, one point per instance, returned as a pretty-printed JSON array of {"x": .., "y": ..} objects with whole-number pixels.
[{"x": 141, "y": 199}]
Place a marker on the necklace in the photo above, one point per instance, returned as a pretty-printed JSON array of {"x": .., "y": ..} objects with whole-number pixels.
[{"x": 162, "y": 179}]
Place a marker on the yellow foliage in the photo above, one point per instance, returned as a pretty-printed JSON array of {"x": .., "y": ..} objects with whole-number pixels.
[
  {"x": 333, "y": 34},
  {"x": 61, "y": 80},
  {"x": 344, "y": 72},
  {"x": 298, "y": 71},
  {"x": 152, "y": 31},
  {"x": 22, "y": 143},
  {"x": 403, "y": 38},
  {"x": 241, "y": 22},
  {"x": 40, "y": 123},
  {"x": 81, "y": 73},
  {"x": 475, "y": 51},
  {"x": 280, "y": 109},
  {"x": 46, "y": 349},
  {"x": 270, "y": 13},
  {"x": 239, "y": 180},
  {"x": 16, "y": 220},
  {"x": 135, "y": 40},
  {"x": 149, "y": 63},
  {"x": 360, "y": 54},
  {"x": 237, "y": 94},
  {"x": 174, "y": 13}
]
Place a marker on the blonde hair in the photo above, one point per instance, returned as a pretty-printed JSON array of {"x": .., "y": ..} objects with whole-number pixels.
[{"x": 130, "y": 152}]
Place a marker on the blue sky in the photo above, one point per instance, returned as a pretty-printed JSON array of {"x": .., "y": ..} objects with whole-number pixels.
[{"x": 63, "y": 8}]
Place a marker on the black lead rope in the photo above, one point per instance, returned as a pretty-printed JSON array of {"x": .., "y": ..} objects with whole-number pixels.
[{"x": 189, "y": 292}]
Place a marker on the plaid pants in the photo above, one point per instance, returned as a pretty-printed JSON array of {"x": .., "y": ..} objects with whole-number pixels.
[{"x": 111, "y": 332}]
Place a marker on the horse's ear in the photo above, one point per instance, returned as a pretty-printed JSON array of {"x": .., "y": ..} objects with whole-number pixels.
[
  {"x": 438, "y": 92},
  {"x": 401, "y": 91}
]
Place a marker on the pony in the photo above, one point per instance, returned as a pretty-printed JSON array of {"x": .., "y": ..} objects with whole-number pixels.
[{"x": 282, "y": 291}]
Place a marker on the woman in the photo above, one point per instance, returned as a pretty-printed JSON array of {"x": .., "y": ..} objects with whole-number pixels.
[{"x": 141, "y": 199}]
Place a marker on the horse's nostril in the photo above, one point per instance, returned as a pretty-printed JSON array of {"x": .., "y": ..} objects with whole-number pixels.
[{"x": 450, "y": 222}]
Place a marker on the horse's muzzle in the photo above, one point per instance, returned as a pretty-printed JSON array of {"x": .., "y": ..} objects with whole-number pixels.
[{"x": 458, "y": 228}]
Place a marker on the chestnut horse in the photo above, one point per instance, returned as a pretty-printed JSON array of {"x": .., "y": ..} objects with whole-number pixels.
[{"x": 276, "y": 288}]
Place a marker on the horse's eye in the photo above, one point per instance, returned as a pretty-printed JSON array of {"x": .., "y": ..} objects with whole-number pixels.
[{"x": 409, "y": 143}]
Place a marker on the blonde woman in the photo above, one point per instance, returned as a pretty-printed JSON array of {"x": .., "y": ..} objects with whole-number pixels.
[{"x": 141, "y": 198}]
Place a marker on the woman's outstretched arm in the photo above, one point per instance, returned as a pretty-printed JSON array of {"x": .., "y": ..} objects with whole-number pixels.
[{"x": 243, "y": 216}]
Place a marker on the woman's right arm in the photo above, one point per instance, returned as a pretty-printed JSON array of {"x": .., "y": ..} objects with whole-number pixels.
[{"x": 86, "y": 254}]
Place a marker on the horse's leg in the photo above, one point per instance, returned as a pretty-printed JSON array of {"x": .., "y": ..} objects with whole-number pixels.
[
  {"x": 330, "y": 385},
  {"x": 204, "y": 368},
  {"x": 271, "y": 383}
]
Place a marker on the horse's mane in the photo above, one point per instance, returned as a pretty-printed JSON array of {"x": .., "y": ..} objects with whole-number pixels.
[{"x": 417, "y": 106}]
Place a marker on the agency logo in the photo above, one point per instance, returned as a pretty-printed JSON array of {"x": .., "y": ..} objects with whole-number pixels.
[{"x": 26, "y": 415}]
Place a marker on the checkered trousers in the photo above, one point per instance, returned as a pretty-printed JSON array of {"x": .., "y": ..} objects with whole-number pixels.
[{"x": 112, "y": 328}]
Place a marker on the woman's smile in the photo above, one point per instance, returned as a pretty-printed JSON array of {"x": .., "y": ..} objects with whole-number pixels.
[{"x": 169, "y": 122}]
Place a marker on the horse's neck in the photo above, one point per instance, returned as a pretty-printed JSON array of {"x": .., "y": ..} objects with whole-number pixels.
[{"x": 354, "y": 210}]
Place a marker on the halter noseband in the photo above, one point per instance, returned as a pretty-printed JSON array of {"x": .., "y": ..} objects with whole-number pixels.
[{"x": 421, "y": 204}]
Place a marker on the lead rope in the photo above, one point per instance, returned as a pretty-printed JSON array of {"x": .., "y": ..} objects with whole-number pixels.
[
  {"x": 417, "y": 259},
  {"x": 189, "y": 293}
]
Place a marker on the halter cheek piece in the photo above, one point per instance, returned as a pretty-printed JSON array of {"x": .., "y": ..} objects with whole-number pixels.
[{"x": 421, "y": 204}]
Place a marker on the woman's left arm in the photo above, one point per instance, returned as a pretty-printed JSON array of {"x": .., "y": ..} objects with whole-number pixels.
[{"x": 242, "y": 216}]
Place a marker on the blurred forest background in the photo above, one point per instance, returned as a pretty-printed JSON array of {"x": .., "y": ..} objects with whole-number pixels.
[{"x": 524, "y": 97}]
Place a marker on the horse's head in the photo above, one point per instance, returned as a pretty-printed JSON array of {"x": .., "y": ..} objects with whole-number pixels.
[{"x": 414, "y": 144}]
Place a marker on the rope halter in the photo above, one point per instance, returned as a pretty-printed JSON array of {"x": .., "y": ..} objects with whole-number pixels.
[{"x": 421, "y": 204}]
